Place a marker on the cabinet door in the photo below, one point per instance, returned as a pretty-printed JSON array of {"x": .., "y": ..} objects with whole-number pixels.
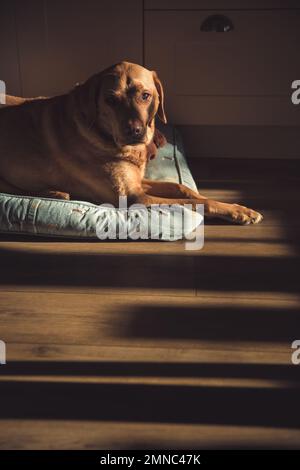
[
  {"x": 219, "y": 4},
  {"x": 9, "y": 60},
  {"x": 240, "y": 77},
  {"x": 62, "y": 42}
]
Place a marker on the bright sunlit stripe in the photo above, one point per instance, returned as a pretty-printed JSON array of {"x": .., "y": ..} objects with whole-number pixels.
[{"x": 161, "y": 381}]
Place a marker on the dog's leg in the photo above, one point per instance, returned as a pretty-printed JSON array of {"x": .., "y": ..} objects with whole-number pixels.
[
  {"x": 169, "y": 189},
  {"x": 10, "y": 189},
  {"x": 174, "y": 193}
]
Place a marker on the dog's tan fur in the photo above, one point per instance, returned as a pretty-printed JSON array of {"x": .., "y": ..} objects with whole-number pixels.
[{"x": 77, "y": 144}]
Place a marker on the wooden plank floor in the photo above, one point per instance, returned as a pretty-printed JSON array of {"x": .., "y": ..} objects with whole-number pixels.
[{"x": 146, "y": 345}]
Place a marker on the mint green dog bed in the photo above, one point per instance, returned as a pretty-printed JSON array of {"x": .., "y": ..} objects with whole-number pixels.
[{"x": 80, "y": 219}]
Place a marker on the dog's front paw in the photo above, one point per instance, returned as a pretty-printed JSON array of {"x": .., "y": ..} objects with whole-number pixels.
[{"x": 244, "y": 216}]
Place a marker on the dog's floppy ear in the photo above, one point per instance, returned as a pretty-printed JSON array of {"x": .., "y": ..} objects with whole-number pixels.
[
  {"x": 87, "y": 96},
  {"x": 161, "y": 110}
]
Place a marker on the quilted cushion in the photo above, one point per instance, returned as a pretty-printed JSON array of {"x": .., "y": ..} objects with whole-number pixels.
[{"x": 80, "y": 219}]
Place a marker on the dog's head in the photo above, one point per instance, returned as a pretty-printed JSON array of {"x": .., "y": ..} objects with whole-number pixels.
[{"x": 122, "y": 102}]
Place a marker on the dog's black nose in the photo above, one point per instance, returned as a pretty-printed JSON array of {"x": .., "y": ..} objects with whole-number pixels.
[{"x": 135, "y": 129}]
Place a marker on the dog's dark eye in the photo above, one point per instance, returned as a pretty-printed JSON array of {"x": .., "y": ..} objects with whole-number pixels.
[{"x": 145, "y": 96}]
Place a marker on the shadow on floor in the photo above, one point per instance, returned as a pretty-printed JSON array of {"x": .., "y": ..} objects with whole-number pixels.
[
  {"x": 212, "y": 273},
  {"x": 150, "y": 403}
]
